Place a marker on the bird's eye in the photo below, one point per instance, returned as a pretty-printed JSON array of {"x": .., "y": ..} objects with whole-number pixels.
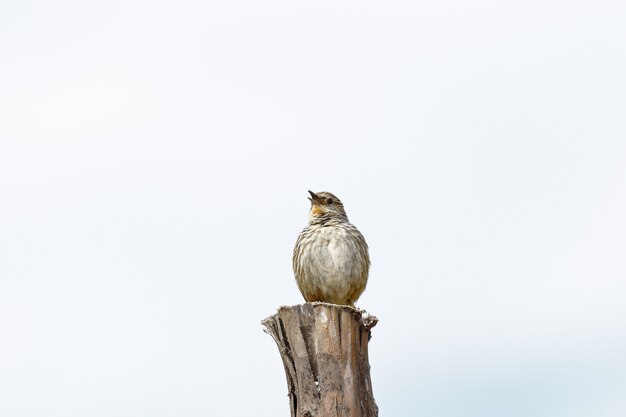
[{"x": 329, "y": 201}]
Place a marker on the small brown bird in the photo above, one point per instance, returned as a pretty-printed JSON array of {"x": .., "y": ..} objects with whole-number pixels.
[{"x": 330, "y": 260}]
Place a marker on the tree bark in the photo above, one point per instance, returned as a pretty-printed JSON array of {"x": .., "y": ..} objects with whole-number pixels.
[{"x": 324, "y": 352}]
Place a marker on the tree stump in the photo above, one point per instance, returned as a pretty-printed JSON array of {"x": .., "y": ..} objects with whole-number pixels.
[{"x": 324, "y": 352}]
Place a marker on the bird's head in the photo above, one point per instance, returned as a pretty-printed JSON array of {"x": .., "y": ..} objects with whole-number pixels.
[{"x": 325, "y": 205}]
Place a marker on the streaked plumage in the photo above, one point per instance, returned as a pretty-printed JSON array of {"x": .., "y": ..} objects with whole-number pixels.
[{"x": 330, "y": 259}]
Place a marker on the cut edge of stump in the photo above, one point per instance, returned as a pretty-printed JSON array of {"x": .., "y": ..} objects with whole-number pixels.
[{"x": 367, "y": 320}]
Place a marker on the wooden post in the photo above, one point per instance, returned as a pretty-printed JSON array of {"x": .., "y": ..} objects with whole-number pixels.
[{"x": 324, "y": 352}]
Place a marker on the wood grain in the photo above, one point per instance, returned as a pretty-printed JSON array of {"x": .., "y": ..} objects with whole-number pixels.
[{"x": 324, "y": 352}]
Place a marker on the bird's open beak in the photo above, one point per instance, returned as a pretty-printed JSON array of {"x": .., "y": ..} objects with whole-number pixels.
[{"x": 315, "y": 199}]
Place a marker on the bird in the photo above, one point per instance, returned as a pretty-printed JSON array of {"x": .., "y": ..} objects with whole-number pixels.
[{"x": 330, "y": 258}]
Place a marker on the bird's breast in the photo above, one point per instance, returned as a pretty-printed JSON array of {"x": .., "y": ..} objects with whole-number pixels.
[{"x": 331, "y": 248}]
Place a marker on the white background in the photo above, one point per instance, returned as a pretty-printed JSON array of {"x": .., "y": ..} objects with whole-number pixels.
[{"x": 154, "y": 162}]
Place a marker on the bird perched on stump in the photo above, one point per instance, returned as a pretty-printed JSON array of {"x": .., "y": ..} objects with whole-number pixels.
[{"x": 330, "y": 260}]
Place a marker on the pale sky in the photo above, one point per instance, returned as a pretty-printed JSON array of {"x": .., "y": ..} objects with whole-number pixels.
[{"x": 154, "y": 163}]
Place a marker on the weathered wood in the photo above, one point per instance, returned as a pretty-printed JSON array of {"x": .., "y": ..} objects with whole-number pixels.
[{"x": 324, "y": 352}]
